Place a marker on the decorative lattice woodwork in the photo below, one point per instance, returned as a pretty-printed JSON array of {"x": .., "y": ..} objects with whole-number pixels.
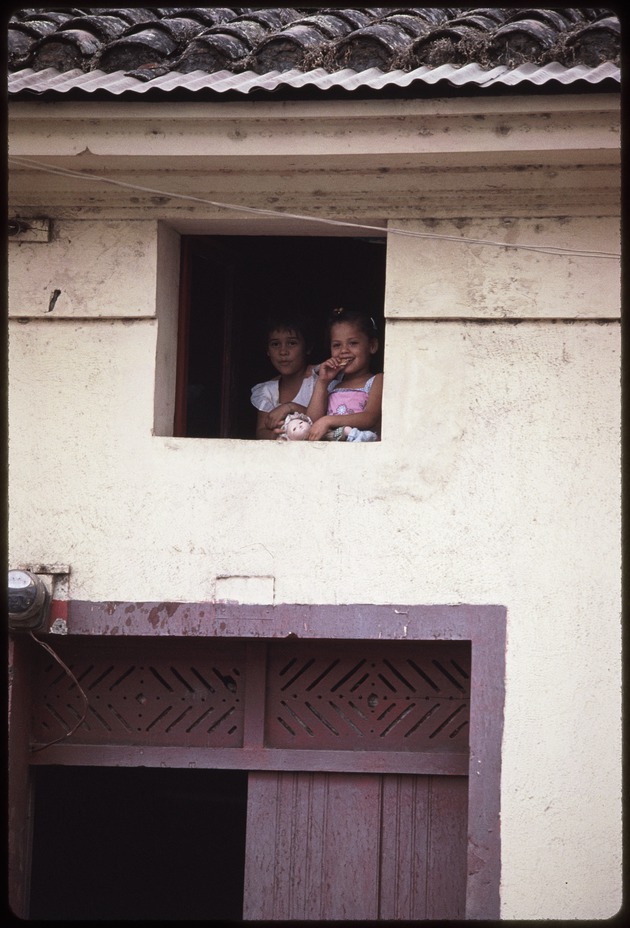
[
  {"x": 369, "y": 696},
  {"x": 288, "y": 694},
  {"x": 143, "y": 693}
]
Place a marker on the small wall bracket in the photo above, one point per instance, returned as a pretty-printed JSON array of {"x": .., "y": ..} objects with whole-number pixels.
[{"x": 29, "y": 230}]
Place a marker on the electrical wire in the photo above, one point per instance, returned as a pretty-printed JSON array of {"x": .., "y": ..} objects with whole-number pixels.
[
  {"x": 50, "y": 650},
  {"x": 545, "y": 249}
]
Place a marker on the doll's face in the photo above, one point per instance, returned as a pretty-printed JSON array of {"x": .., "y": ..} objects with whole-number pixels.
[{"x": 298, "y": 429}]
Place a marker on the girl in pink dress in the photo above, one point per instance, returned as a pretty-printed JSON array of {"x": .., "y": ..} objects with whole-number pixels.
[{"x": 346, "y": 401}]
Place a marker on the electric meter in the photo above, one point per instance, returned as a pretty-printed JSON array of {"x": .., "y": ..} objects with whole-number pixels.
[{"x": 29, "y": 601}]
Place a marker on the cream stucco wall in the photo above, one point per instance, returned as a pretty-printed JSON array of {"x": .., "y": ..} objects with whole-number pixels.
[{"x": 497, "y": 481}]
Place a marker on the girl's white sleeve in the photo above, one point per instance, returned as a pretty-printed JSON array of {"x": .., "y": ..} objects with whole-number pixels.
[
  {"x": 304, "y": 394},
  {"x": 264, "y": 397}
]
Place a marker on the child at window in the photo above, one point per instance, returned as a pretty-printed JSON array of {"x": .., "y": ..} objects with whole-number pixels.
[
  {"x": 288, "y": 347},
  {"x": 347, "y": 397}
]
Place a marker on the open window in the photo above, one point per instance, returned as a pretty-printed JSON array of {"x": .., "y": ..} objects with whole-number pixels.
[{"x": 230, "y": 284}]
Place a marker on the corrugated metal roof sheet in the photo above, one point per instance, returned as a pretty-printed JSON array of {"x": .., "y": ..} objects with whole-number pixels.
[
  {"x": 222, "y": 81},
  {"x": 241, "y": 49}
]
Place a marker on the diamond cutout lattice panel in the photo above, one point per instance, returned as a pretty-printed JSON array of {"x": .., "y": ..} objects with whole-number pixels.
[
  {"x": 385, "y": 696},
  {"x": 150, "y": 692}
]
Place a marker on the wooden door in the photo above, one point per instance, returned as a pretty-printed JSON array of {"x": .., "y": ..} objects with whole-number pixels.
[
  {"x": 358, "y": 753},
  {"x": 376, "y": 841},
  {"x": 343, "y": 846}
]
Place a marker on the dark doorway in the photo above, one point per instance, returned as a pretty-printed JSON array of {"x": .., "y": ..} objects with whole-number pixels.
[
  {"x": 230, "y": 284},
  {"x": 138, "y": 843}
]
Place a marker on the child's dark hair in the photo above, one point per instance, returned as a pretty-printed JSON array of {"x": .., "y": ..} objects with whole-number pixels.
[
  {"x": 289, "y": 321},
  {"x": 364, "y": 322}
]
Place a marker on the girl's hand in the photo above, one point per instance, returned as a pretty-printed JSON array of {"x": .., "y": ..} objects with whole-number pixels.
[
  {"x": 329, "y": 369},
  {"x": 276, "y": 417},
  {"x": 319, "y": 429}
]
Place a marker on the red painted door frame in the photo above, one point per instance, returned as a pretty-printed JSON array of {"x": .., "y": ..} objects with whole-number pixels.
[{"x": 483, "y": 626}]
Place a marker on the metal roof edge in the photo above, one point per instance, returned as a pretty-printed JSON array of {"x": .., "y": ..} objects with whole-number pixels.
[{"x": 51, "y": 81}]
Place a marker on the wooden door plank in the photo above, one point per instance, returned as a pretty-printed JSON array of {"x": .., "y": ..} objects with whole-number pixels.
[
  {"x": 260, "y": 878},
  {"x": 351, "y": 847},
  {"x": 405, "y": 822},
  {"x": 447, "y": 847},
  {"x": 312, "y": 847}
]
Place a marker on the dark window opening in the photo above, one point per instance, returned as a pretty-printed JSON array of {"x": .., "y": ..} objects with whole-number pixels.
[
  {"x": 138, "y": 843},
  {"x": 230, "y": 284}
]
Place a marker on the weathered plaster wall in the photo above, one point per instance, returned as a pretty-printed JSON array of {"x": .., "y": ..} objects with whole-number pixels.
[
  {"x": 512, "y": 268},
  {"x": 102, "y": 269},
  {"x": 497, "y": 481}
]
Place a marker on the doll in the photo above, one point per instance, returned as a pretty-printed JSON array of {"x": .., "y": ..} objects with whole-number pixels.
[{"x": 295, "y": 427}]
